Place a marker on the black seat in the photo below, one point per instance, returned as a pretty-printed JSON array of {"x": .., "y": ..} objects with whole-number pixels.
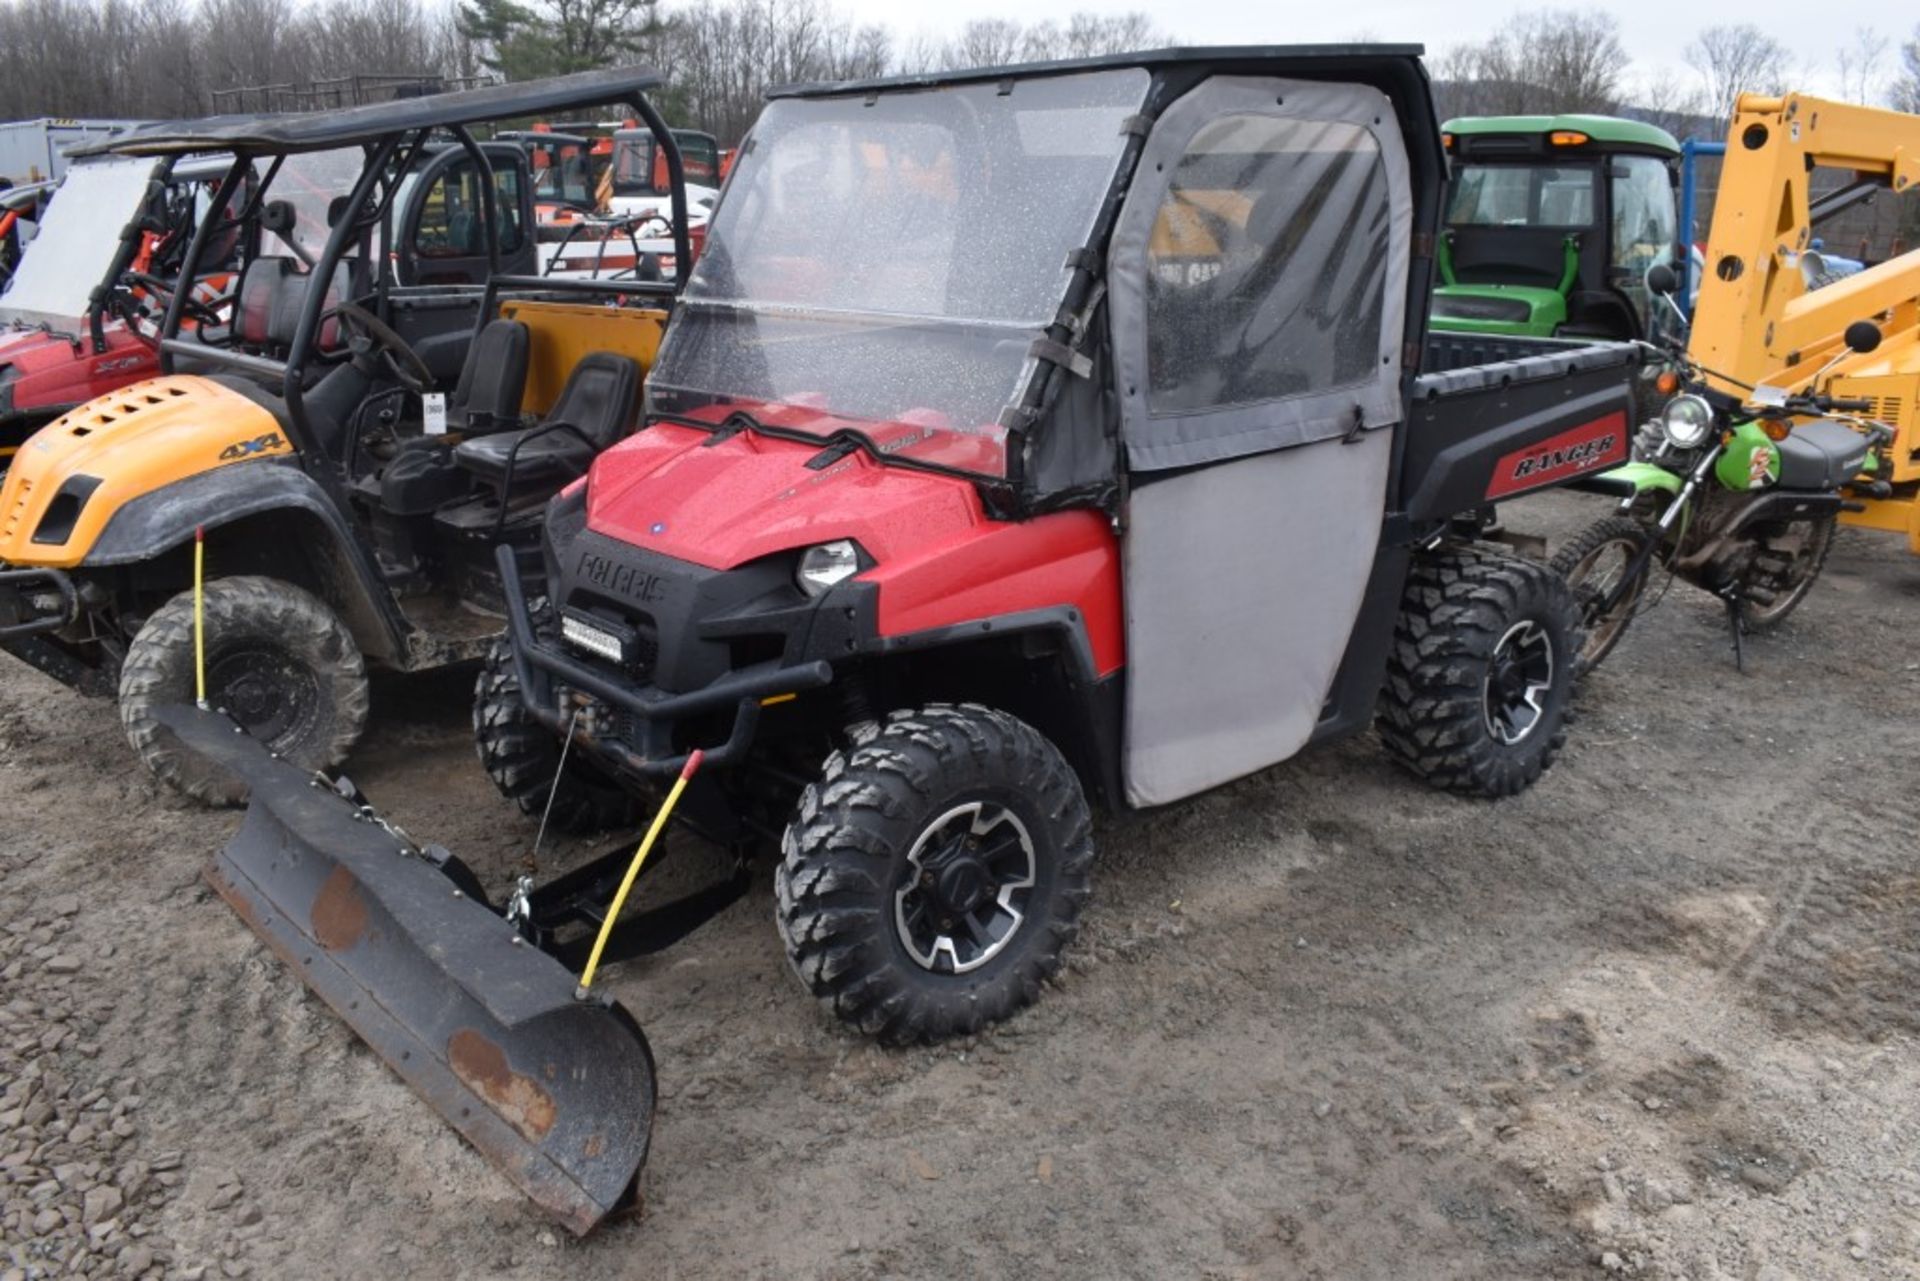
[
  {"x": 594, "y": 410},
  {"x": 259, "y": 302},
  {"x": 487, "y": 397},
  {"x": 268, "y": 302},
  {"x": 1821, "y": 455},
  {"x": 293, "y": 297}
]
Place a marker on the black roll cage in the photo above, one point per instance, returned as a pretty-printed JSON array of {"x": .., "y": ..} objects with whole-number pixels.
[{"x": 364, "y": 212}]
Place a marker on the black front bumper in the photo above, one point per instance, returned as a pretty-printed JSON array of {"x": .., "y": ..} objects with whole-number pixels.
[
  {"x": 35, "y": 604},
  {"x": 24, "y": 607},
  {"x": 539, "y": 666}
]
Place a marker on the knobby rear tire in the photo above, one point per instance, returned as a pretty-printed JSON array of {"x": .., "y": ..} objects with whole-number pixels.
[{"x": 1460, "y": 605}]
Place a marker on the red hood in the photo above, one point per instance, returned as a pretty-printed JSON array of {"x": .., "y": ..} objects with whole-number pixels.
[
  {"x": 25, "y": 344},
  {"x": 668, "y": 490},
  {"x": 50, "y": 372}
]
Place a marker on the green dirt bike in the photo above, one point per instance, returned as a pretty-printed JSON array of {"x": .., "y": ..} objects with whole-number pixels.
[{"x": 1738, "y": 495}]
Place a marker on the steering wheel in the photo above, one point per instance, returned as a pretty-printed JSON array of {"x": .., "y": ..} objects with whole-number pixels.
[
  {"x": 371, "y": 335},
  {"x": 163, "y": 290}
]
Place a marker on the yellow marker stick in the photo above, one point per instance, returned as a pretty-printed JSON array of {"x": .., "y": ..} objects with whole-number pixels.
[
  {"x": 199, "y": 616},
  {"x": 633, "y": 871}
]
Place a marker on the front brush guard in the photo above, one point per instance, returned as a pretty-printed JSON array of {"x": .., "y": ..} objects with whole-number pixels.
[
  {"x": 537, "y": 666},
  {"x": 557, "y": 1091},
  {"x": 23, "y": 617}
]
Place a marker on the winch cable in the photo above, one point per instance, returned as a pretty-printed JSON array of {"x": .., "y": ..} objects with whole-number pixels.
[
  {"x": 633, "y": 871},
  {"x": 566, "y": 745}
]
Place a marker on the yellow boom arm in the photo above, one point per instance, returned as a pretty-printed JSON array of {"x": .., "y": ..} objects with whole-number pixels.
[{"x": 1756, "y": 320}]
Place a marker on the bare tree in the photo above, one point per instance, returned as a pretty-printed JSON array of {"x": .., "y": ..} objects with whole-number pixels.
[
  {"x": 989, "y": 42},
  {"x": 1861, "y": 65},
  {"x": 1737, "y": 59},
  {"x": 1905, "y": 92},
  {"x": 1548, "y": 60},
  {"x": 1674, "y": 105},
  {"x": 1090, "y": 35},
  {"x": 172, "y": 57},
  {"x": 986, "y": 42}
]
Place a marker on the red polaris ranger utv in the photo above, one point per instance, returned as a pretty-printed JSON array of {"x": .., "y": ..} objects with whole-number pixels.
[{"x": 1102, "y": 472}]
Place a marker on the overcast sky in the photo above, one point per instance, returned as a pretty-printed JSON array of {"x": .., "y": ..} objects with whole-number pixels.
[{"x": 1654, "y": 30}]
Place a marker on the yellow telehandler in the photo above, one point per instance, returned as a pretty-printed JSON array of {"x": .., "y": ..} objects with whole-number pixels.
[{"x": 1767, "y": 315}]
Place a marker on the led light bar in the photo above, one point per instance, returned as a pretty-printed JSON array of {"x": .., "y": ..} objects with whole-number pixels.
[{"x": 595, "y": 638}]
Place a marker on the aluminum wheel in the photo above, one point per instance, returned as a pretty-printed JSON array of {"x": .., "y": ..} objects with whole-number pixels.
[
  {"x": 1518, "y": 678},
  {"x": 965, "y": 891}
]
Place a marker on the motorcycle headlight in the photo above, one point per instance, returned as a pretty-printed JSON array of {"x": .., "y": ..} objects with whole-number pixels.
[
  {"x": 1687, "y": 422},
  {"x": 829, "y": 563}
]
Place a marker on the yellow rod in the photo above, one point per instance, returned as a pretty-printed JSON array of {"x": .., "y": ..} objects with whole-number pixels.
[
  {"x": 633, "y": 872},
  {"x": 199, "y": 616}
]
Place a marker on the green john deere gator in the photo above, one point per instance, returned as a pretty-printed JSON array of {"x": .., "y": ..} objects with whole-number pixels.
[{"x": 1552, "y": 223}]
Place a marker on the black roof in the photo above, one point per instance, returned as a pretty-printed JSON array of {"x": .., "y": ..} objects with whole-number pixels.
[
  {"x": 292, "y": 131},
  {"x": 1228, "y": 57}
]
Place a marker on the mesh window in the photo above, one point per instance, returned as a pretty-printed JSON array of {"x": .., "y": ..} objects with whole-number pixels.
[{"x": 1267, "y": 264}]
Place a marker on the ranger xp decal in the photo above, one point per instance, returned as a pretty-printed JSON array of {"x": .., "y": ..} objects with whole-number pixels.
[{"x": 1588, "y": 447}]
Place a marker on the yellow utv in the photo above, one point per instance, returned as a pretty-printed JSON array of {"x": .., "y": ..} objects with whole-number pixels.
[{"x": 345, "y": 509}]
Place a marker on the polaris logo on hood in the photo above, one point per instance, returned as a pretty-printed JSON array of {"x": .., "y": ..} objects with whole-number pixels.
[{"x": 610, "y": 576}]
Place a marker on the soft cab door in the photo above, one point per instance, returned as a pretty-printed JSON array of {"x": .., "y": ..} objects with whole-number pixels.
[
  {"x": 442, "y": 229},
  {"x": 1259, "y": 285}
]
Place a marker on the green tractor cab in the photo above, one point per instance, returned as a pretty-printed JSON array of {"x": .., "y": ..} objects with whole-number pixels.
[{"x": 1552, "y": 223}]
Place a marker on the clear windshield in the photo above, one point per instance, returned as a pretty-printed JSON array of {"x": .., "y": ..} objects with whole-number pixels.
[
  {"x": 78, "y": 236},
  {"x": 1522, "y": 196},
  {"x": 310, "y": 181},
  {"x": 633, "y": 165},
  {"x": 560, "y": 175},
  {"x": 639, "y": 171},
  {"x": 887, "y": 263},
  {"x": 699, "y": 159}
]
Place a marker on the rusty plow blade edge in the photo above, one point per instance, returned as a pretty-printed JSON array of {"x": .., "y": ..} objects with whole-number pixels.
[{"x": 557, "y": 1092}]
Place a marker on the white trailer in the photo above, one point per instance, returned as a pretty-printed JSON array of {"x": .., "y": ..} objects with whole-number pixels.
[{"x": 35, "y": 150}]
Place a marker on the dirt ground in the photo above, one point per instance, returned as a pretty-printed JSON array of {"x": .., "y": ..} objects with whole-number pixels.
[{"x": 1656, "y": 1017}]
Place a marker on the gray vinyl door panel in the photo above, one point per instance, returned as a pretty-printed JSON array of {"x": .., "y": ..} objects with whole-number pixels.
[
  {"x": 1258, "y": 295},
  {"x": 1242, "y": 585}
]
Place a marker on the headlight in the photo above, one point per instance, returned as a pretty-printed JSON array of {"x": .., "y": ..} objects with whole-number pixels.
[
  {"x": 823, "y": 566},
  {"x": 1688, "y": 421}
]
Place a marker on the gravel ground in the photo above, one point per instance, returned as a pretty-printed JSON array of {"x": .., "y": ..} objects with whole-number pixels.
[{"x": 1655, "y": 1018}]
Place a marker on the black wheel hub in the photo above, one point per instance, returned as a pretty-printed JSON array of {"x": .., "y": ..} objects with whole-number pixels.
[
  {"x": 965, "y": 887},
  {"x": 960, "y": 887},
  {"x": 1518, "y": 677},
  {"x": 266, "y": 690}
]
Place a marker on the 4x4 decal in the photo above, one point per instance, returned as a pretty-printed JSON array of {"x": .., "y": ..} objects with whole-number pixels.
[{"x": 248, "y": 448}]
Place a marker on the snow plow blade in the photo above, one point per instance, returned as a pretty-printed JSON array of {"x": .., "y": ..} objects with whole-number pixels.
[{"x": 399, "y": 940}]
